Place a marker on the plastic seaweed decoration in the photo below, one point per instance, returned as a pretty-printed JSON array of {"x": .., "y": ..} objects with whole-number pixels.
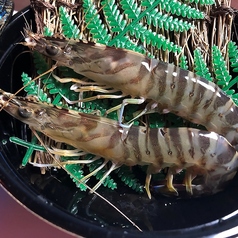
[
  {"x": 221, "y": 72},
  {"x": 127, "y": 176},
  {"x": 76, "y": 172},
  {"x": 202, "y": 1},
  {"x": 233, "y": 58},
  {"x": 128, "y": 21},
  {"x": 70, "y": 30},
  {"x": 99, "y": 166},
  {"x": 145, "y": 26},
  {"x": 200, "y": 67},
  {"x": 183, "y": 62}
]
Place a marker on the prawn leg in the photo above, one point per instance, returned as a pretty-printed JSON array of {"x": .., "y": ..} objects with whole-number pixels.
[
  {"x": 113, "y": 167},
  {"x": 89, "y": 87},
  {"x": 169, "y": 178},
  {"x": 147, "y": 185},
  {"x": 92, "y": 98},
  {"x": 151, "y": 107},
  {"x": 94, "y": 171},
  {"x": 189, "y": 176},
  {"x": 126, "y": 127}
]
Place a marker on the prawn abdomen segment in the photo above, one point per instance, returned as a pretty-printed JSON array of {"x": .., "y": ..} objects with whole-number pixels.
[{"x": 194, "y": 98}]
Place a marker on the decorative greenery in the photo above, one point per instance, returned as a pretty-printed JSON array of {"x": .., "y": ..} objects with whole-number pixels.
[
  {"x": 183, "y": 62},
  {"x": 120, "y": 26},
  {"x": 32, "y": 146},
  {"x": 75, "y": 171},
  {"x": 29, "y": 85},
  {"x": 94, "y": 23},
  {"x": 126, "y": 20},
  {"x": 128, "y": 177},
  {"x": 220, "y": 69},
  {"x": 203, "y": 2},
  {"x": 200, "y": 66},
  {"x": 233, "y": 57},
  {"x": 70, "y": 30},
  {"x": 47, "y": 32},
  {"x": 176, "y": 7},
  {"x": 108, "y": 182}
]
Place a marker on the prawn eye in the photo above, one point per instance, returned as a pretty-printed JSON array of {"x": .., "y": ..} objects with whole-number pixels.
[
  {"x": 24, "y": 112},
  {"x": 67, "y": 49},
  {"x": 51, "y": 50}
]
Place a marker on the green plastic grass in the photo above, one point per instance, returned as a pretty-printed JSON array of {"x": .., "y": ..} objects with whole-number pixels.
[{"x": 201, "y": 68}]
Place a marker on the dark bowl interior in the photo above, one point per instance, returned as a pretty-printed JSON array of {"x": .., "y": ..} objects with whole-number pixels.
[{"x": 55, "y": 197}]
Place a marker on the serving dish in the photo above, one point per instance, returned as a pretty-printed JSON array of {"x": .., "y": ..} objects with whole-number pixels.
[{"x": 55, "y": 197}]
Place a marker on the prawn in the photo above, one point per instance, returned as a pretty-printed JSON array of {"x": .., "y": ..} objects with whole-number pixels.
[
  {"x": 170, "y": 88},
  {"x": 202, "y": 153}
]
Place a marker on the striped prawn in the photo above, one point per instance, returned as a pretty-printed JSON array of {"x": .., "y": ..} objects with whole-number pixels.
[
  {"x": 170, "y": 88},
  {"x": 202, "y": 153}
]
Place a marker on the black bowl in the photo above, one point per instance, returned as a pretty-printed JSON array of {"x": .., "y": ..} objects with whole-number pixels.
[{"x": 55, "y": 197}]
